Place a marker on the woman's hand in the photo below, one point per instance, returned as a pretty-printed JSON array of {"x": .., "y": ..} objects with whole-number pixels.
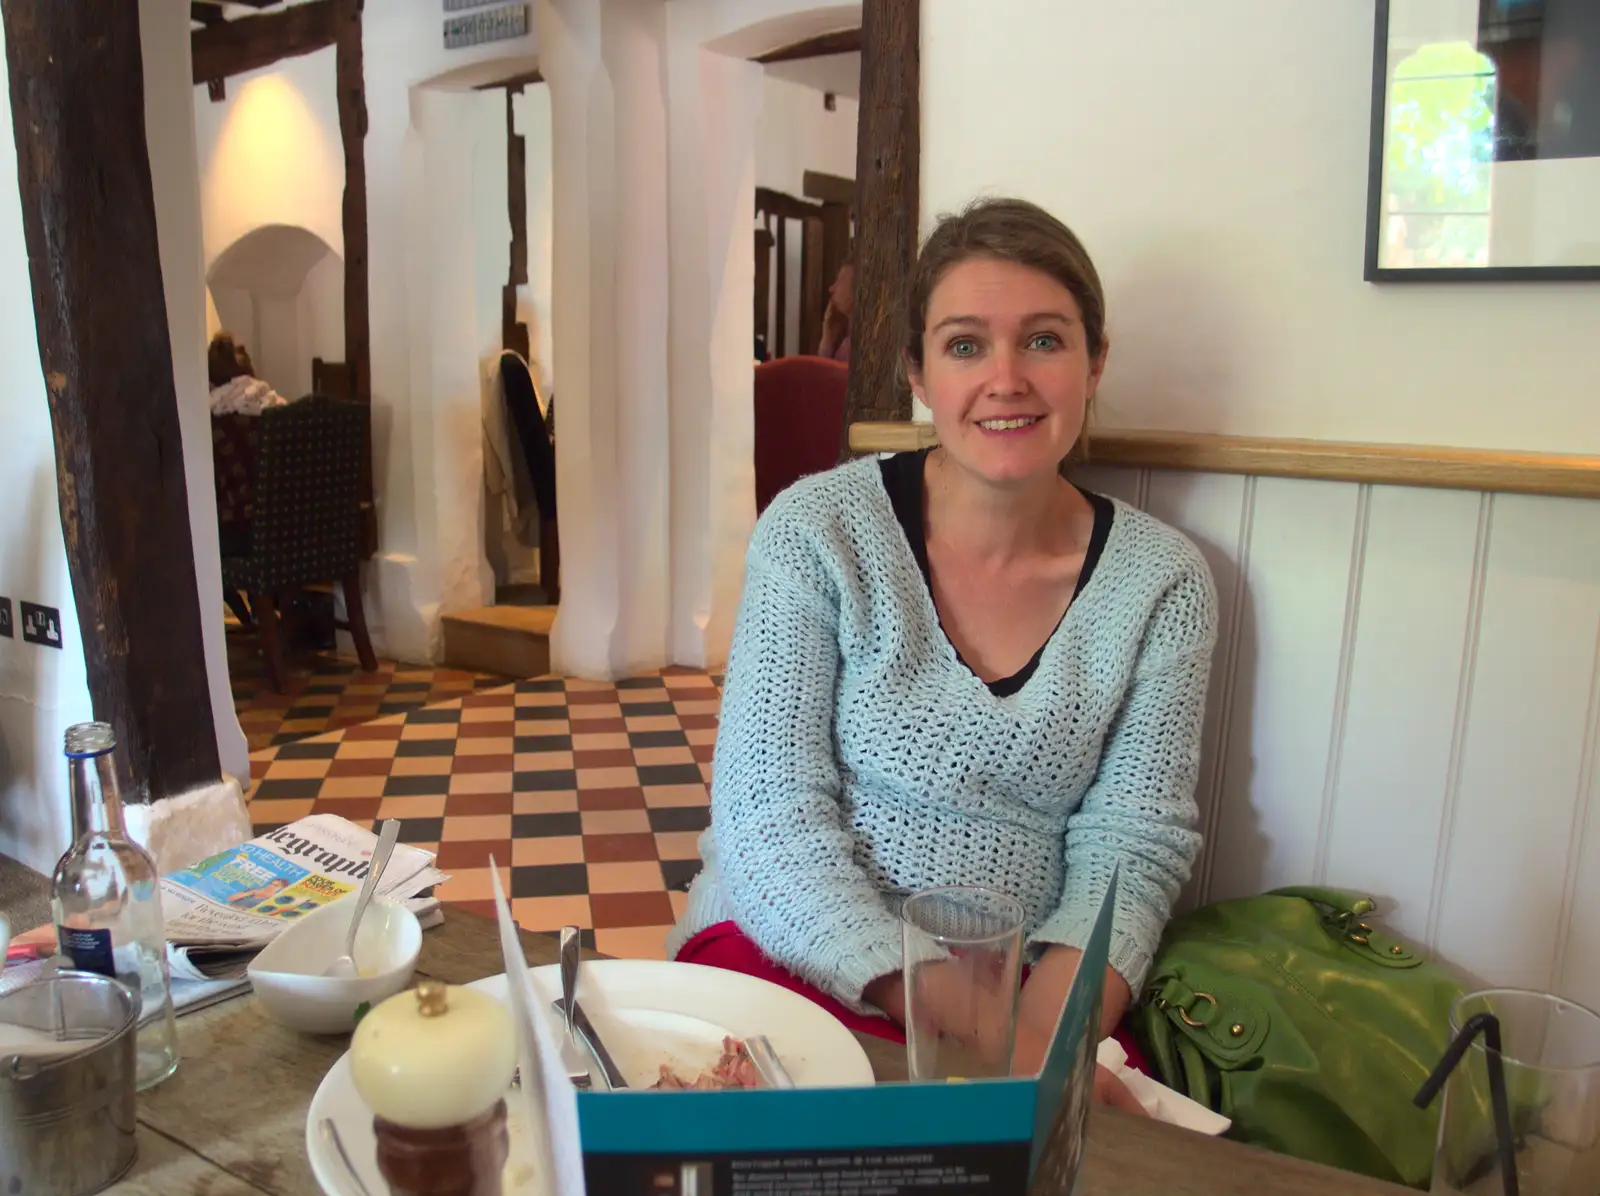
[{"x": 888, "y": 993}]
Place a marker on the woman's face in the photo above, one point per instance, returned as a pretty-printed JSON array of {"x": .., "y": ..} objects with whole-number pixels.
[{"x": 1006, "y": 370}]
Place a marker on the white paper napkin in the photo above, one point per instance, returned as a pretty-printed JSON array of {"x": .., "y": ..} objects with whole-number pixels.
[{"x": 1158, "y": 1100}]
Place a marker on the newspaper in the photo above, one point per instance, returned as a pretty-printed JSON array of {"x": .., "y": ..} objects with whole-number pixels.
[{"x": 221, "y": 911}]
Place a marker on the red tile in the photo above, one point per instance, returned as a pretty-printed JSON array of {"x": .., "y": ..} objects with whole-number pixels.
[
  {"x": 473, "y": 853},
  {"x": 708, "y": 694},
  {"x": 703, "y": 752},
  {"x": 487, "y": 730},
  {"x": 614, "y": 758},
  {"x": 359, "y": 766},
  {"x": 632, "y": 909},
  {"x": 611, "y": 799},
  {"x": 592, "y": 697},
  {"x": 618, "y": 849},
  {"x": 502, "y": 697},
  {"x": 477, "y": 803},
  {"x": 461, "y": 764},
  {"x": 375, "y": 731},
  {"x": 697, "y": 722},
  {"x": 600, "y": 726},
  {"x": 356, "y": 809},
  {"x": 258, "y": 769}
]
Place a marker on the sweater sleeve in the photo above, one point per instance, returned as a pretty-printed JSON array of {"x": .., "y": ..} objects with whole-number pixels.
[
  {"x": 1140, "y": 811},
  {"x": 785, "y": 858}
]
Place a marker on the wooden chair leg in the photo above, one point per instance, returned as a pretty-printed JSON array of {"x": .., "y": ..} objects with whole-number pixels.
[
  {"x": 239, "y": 607},
  {"x": 266, "y": 611},
  {"x": 356, "y": 617}
]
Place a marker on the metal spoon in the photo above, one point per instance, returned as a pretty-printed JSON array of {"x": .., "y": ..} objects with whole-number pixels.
[
  {"x": 331, "y": 1133},
  {"x": 345, "y": 966}
]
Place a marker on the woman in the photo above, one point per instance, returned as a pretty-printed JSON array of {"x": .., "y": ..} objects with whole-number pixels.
[
  {"x": 955, "y": 667},
  {"x": 835, "y": 342},
  {"x": 235, "y": 390}
]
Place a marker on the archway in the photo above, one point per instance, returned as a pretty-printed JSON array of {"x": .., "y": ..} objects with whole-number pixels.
[{"x": 280, "y": 290}]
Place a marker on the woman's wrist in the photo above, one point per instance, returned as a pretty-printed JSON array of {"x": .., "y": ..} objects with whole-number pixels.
[{"x": 888, "y": 993}]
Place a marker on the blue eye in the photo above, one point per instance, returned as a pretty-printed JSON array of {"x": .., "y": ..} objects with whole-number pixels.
[
  {"x": 962, "y": 346},
  {"x": 1044, "y": 341}
]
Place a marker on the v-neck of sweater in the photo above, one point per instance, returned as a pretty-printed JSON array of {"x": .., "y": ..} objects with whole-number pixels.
[{"x": 903, "y": 481}]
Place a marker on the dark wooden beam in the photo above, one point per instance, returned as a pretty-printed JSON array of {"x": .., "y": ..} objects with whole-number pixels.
[
  {"x": 349, "y": 78},
  {"x": 102, "y": 329},
  {"x": 829, "y": 188},
  {"x": 888, "y": 145},
  {"x": 250, "y": 43},
  {"x": 514, "y": 332},
  {"x": 841, "y": 41},
  {"x": 513, "y": 82}
]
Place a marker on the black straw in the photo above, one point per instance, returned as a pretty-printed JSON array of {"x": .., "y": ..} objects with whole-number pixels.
[{"x": 1489, "y": 1026}]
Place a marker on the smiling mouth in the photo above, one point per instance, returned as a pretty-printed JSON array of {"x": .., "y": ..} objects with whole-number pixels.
[{"x": 1010, "y": 424}]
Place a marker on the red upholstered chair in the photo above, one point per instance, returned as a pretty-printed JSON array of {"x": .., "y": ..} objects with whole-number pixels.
[{"x": 799, "y": 418}]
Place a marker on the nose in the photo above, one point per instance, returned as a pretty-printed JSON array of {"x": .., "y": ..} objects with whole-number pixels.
[{"x": 1006, "y": 376}]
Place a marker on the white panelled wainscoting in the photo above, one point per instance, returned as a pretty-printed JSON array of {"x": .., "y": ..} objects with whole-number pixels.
[{"x": 1404, "y": 701}]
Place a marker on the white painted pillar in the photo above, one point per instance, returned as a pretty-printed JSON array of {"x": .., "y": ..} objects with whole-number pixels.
[
  {"x": 713, "y": 101},
  {"x": 653, "y": 176},
  {"x": 446, "y": 386}
]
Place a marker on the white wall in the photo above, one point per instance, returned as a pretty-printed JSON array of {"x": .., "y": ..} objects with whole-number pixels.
[
  {"x": 794, "y": 134},
  {"x": 1214, "y": 159},
  {"x": 42, "y": 691},
  {"x": 270, "y": 153},
  {"x": 1405, "y": 696},
  {"x": 1405, "y": 701}
]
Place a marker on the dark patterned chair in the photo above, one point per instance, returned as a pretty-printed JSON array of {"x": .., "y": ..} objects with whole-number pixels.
[{"x": 303, "y": 518}]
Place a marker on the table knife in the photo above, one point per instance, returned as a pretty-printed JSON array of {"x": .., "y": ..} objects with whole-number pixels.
[{"x": 591, "y": 1039}]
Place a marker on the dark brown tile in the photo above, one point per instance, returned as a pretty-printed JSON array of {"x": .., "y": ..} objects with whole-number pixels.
[
  {"x": 618, "y": 849},
  {"x": 611, "y": 799},
  {"x": 632, "y": 909}
]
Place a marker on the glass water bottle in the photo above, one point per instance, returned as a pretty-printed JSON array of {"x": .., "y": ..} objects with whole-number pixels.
[{"x": 106, "y": 898}]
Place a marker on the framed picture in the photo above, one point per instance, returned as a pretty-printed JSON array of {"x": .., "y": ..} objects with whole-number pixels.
[{"x": 1485, "y": 145}]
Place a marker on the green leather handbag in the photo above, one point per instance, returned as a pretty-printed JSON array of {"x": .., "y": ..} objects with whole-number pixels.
[{"x": 1295, "y": 1015}]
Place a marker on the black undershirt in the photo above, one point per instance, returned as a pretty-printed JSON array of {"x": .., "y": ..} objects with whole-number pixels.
[{"x": 902, "y": 478}]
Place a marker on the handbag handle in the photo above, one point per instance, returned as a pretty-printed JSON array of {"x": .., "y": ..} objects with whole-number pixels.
[
  {"x": 1345, "y": 904},
  {"x": 1344, "y": 920}
]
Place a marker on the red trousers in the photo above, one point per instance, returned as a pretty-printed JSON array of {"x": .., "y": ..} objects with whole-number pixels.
[{"x": 726, "y": 946}]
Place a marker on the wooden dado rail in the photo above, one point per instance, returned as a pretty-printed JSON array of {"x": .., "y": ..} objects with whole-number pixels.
[{"x": 1380, "y": 464}]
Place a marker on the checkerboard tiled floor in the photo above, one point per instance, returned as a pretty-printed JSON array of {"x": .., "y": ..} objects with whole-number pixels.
[
  {"x": 328, "y": 692},
  {"x": 589, "y": 797}
]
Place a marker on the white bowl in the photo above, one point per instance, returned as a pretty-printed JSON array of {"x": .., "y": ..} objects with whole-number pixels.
[{"x": 287, "y": 974}]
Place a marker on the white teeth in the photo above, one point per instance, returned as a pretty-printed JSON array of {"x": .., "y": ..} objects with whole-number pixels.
[{"x": 1006, "y": 425}]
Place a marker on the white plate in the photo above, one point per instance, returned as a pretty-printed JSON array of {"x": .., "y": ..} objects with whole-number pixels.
[{"x": 649, "y": 1013}]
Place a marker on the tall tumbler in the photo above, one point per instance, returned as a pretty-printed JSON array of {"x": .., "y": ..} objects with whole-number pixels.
[
  {"x": 1550, "y": 1055},
  {"x": 963, "y": 968}
]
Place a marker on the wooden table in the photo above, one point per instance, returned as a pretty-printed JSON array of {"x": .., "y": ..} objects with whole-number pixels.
[{"x": 232, "y": 1122}]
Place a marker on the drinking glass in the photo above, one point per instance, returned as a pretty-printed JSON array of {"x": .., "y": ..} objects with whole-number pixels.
[
  {"x": 963, "y": 966},
  {"x": 1550, "y": 1052}
]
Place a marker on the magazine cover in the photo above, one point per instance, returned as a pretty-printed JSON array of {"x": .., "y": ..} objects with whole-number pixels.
[{"x": 989, "y": 1137}]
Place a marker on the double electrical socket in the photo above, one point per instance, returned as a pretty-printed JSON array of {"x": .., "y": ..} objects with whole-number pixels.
[{"x": 40, "y": 624}]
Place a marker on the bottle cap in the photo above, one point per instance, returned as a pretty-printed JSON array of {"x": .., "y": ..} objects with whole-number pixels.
[
  {"x": 434, "y": 1057},
  {"x": 90, "y": 739}
]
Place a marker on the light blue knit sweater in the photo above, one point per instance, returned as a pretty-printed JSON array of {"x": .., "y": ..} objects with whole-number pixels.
[{"x": 859, "y": 760}]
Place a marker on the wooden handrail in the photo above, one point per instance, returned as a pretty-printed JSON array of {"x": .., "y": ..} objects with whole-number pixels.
[{"x": 1557, "y": 474}]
